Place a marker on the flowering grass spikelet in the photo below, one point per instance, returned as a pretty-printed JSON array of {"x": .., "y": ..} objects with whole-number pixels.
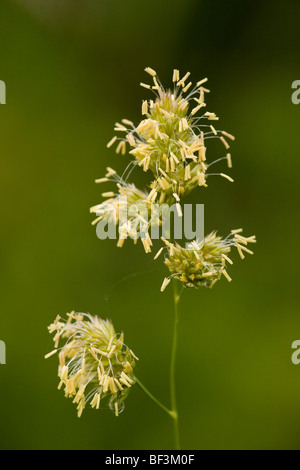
[
  {"x": 94, "y": 362},
  {"x": 202, "y": 263},
  {"x": 131, "y": 209},
  {"x": 172, "y": 137},
  {"x": 170, "y": 143}
]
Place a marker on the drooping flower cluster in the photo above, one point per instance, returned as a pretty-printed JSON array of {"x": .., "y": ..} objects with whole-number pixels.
[
  {"x": 170, "y": 143},
  {"x": 94, "y": 362},
  {"x": 202, "y": 263}
]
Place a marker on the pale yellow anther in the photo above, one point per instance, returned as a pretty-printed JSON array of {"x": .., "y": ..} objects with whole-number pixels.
[
  {"x": 64, "y": 373},
  {"x": 111, "y": 351},
  {"x": 175, "y": 75},
  {"x": 62, "y": 358},
  {"x": 51, "y": 354},
  {"x": 157, "y": 87},
  {"x": 178, "y": 209},
  {"x": 131, "y": 140},
  {"x": 225, "y": 273},
  {"x": 165, "y": 283},
  {"x": 101, "y": 180},
  {"x": 227, "y": 259},
  {"x": 187, "y": 173},
  {"x": 241, "y": 239},
  {"x": 172, "y": 164},
  {"x": 145, "y": 85},
  {"x": 110, "y": 172},
  {"x": 201, "y": 179},
  {"x": 108, "y": 194},
  {"x": 209, "y": 274},
  {"x": 121, "y": 148},
  {"x": 202, "y": 154},
  {"x": 205, "y": 90},
  {"x": 95, "y": 403},
  {"x": 229, "y": 161},
  {"x": 147, "y": 245},
  {"x": 158, "y": 253},
  {"x": 202, "y": 138},
  {"x": 150, "y": 71},
  {"x": 187, "y": 87},
  {"x": 244, "y": 249},
  {"x": 120, "y": 128},
  {"x": 101, "y": 368},
  {"x": 174, "y": 157},
  {"x": 227, "y": 177},
  {"x": 213, "y": 130},
  {"x": 167, "y": 165},
  {"x": 163, "y": 172},
  {"x": 181, "y": 82},
  {"x": 112, "y": 385},
  {"x": 202, "y": 81},
  {"x": 111, "y": 142},
  {"x": 99, "y": 351},
  {"x": 118, "y": 384},
  {"x": 197, "y": 108},
  {"x": 240, "y": 252},
  {"x": 224, "y": 142},
  {"x": 132, "y": 353},
  {"x": 184, "y": 123},
  {"x": 231, "y": 137},
  {"x": 127, "y": 122},
  {"x": 145, "y": 107},
  {"x": 211, "y": 116}
]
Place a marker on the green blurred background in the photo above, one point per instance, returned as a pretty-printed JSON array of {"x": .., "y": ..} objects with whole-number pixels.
[{"x": 72, "y": 68}]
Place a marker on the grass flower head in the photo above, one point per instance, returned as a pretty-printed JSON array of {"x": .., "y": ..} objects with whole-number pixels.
[
  {"x": 131, "y": 209},
  {"x": 171, "y": 140},
  {"x": 94, "y": 362},
  {"x": 202, "y": 263}
]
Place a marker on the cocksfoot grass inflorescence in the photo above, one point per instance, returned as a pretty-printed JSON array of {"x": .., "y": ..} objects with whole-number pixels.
[{"x": 170, "y": 144}]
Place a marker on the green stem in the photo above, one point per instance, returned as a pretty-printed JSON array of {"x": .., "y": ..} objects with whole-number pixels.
[
  {"x": 173, "y": 367},
  {"x": 173, "y": 413},
  {"x": 163, "y": 407}
]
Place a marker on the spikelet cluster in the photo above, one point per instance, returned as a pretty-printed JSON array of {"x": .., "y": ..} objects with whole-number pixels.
[
  {"x": 170, "y": 143},
  {"x": 131, "y": 209},
  {"x": 94, "y": 362},
  {"x": 202, "y": 263}
]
